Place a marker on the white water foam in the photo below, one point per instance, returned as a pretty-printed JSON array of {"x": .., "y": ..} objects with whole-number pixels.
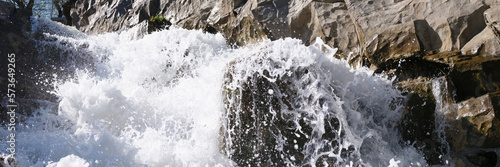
[{"x": 157, "y": 101}]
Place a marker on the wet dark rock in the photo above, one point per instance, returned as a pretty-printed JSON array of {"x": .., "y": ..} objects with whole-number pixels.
[
  {"x": 15, "y": 26},
  {"x": 8, "y": 161},
  {"x": 35, "y": 64},
  {"x": 418, "y": 125},
  {"x": 474, "y": 123},
  {"x": 483, "y": 158},
  {"x": 412, "y": 68},
  {"x": 263, "y": 126}
]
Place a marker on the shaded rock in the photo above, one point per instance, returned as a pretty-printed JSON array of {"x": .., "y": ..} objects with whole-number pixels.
[
  {"x": 483, "y": 158},
  {"x": 158, "y": 22},
  {"x": 419, "y": 124},
  {"x": 412, "y": 68},
  {"x": 262, "y": 121},
  {"x": 472, "y": 75},
  {"x": 483, "y": 44},
  {"x": 476, "y": 80}
]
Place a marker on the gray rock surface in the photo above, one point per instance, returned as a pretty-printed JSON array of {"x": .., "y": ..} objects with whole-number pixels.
[{"x": 385, "y": 29}]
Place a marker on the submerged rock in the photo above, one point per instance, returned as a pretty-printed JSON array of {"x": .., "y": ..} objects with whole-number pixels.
[{"x": 483, "y": 158}]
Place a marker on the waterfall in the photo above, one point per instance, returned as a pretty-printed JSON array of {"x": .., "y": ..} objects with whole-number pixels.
[{"x": 185, "y": 98}]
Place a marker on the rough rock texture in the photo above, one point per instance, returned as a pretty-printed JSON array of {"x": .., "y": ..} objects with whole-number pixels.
[
  {"x": 373, "y": 30},
  {"x": 492, "y": 18},
  {"x": 475, "y": 124},
  {"x": 264, "y": 130}
]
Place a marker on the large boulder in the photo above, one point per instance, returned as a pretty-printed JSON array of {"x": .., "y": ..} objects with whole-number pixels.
[
  {"x": 418, "y": 125},
  {"x": 475, "y": 123},
  {"x": 301, "y": 108},
  {"x": 265, "y": 126}
]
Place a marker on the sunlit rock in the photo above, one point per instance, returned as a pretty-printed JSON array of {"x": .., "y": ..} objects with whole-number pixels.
[
  {"x": 475, "y": 123},
  {"x": 492, "y": 18}
]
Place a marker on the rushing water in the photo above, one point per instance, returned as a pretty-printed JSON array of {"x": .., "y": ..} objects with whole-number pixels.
[{"x": 158, "y": 101}]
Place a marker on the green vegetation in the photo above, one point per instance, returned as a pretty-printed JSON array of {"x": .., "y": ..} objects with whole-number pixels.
[
  {"x": 158, "y": 18},
  {"x": 158, "y": 22}
]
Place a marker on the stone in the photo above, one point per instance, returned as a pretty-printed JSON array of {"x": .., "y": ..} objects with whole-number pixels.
[
  {"x": 388, "y": 20},
  {"x": 492, "y": 19},
  {"x": 261, "y": 127},
  {"x": 483, "y": 158},
  {"x": 474, "y": 123},
  {"x": 475, "y": 80},
  {"x": 412, "y": 68},
  {"x": 8, "y": 161},
  {"x": 337, "y": 27},
  {"x": 373, "y": 31},
  {"x": 419, "y": 124},
  {"x": 472, "y": 75},
  {"x": 394, "y": 42},
  {"x": 484, "y": 44}
]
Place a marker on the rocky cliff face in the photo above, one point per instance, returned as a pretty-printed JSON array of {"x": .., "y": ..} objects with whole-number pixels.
[
  {"x": 380, "y": 28},
  {"x": 444, "y": 54}
]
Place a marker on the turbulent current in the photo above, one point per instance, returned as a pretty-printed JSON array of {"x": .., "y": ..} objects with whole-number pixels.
[{"x": 185, "y": 98}]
